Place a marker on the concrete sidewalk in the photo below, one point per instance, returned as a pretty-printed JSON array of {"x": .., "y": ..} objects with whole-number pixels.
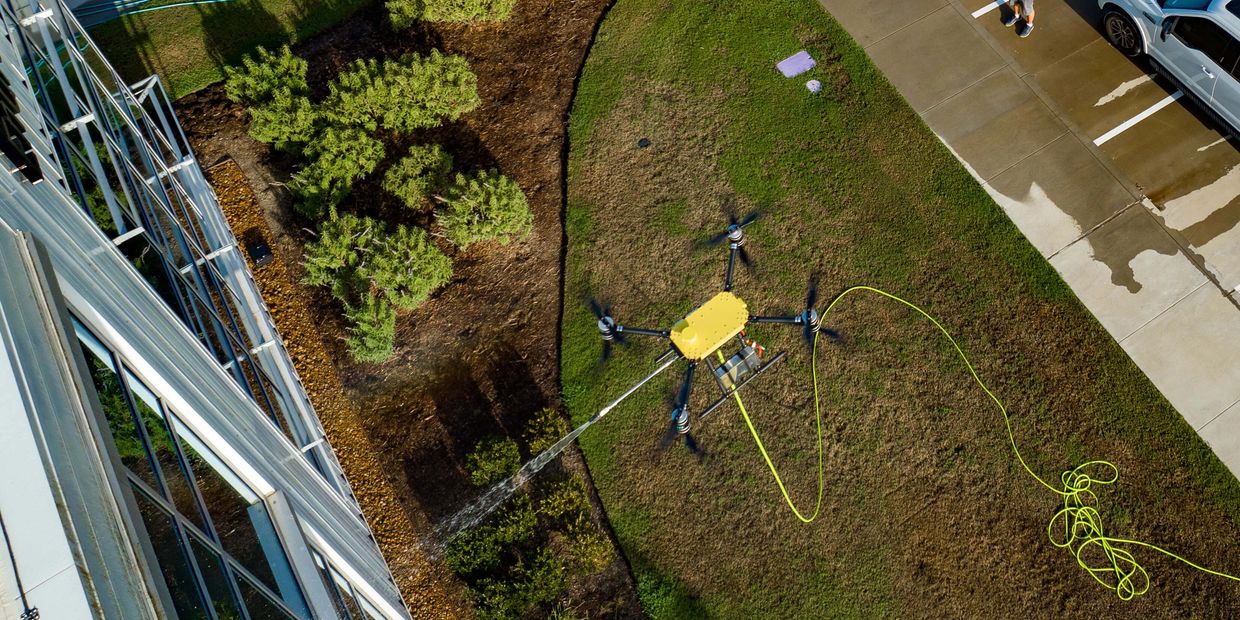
[{"x": 1107, "y": 240}]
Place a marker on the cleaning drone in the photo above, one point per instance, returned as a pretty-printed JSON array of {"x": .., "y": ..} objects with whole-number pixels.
[{"x": 703, "y": 333}]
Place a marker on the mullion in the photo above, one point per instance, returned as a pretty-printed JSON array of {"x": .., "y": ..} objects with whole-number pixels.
[
  {"x": 140, "y": 425},
  {"x": 179, "y": 530},
  {"x": 226, "y": 566},
  {"x": 210, "y": 543},
  {"x": 163, "y": 413},
  {"x": 183, "y": 462}
]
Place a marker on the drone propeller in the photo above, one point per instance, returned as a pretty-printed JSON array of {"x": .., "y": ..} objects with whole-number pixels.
[
  {"x": 809, "y": 318},
  {"x": 734, "y": 230},
  {"x": 606, "y": 327},
  {"x": 680, "y": 417}
]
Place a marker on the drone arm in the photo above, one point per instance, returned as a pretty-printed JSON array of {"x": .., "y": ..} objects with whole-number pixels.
[
  {"x": 682, "y": 401},
  {"x": 727, "y": 282},
  {"x": 787, "y": 320},
  {"x": 656, "y": 333}
]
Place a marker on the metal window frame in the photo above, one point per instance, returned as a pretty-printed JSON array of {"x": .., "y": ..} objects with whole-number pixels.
[
  {"x": 162, "y": 190},
  {"x": 161, "y": 496}
]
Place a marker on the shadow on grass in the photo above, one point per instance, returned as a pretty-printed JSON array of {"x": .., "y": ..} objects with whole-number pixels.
[{"x": 232, "y": 29}]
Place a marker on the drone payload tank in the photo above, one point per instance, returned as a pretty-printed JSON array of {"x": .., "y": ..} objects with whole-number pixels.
[{"x": 710, "y": 326}]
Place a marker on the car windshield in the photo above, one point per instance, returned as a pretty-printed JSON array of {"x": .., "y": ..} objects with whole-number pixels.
[
  {"x": 1189, "y": 5},
  {"x": 1234, "y": 7}
]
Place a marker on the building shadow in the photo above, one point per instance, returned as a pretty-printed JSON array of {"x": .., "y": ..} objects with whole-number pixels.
[{"x": 233, "y": 29}]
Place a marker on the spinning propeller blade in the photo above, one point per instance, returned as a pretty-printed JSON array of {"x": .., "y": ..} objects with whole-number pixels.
[
  {"x": 811, "y": 297},
  {"x": 606, "y": 327}
]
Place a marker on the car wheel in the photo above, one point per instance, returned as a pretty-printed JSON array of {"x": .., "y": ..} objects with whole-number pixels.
[{"x": 1122, "y": 33}]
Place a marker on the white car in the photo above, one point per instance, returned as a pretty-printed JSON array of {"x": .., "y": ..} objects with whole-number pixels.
[{"x": 1194, "y": 42}]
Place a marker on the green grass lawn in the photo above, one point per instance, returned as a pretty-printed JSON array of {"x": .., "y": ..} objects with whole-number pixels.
[
  {"x": 189, "y": 46},
  {"x": 926, "y": 513}
]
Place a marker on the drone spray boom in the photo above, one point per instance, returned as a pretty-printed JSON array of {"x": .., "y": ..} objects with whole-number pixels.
[{"x": 490, "y": 501}]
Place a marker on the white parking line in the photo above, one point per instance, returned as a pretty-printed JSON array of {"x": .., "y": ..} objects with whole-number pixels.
[
  {"x": 1126, "y": 125},
  {"x": 988, "y": 8}
]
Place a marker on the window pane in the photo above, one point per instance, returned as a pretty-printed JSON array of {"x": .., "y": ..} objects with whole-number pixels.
[
  {"x": 258, "y": 604},
  {"x": 116, "y": 409},
  {"x": 173, "y": 565},
  {"x": 179, "y": 489},
  {"x": 324, "y": 574},
  {"x": 371, "y": 612},
  {"x": 346, "y": 595},
  {"x": 217, "y": 582},
  {"x": 1204, "y": 35},
  {"x": 234, "y": 518}
]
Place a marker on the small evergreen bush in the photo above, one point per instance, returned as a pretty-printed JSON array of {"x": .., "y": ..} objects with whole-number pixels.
[
  {"x": 374, "y": 272},
  {"x": 273, "y": 86},
  {"x": 493, "y": 459},
  {"x": 333, "y": 258},
  {"x": 372, "y": 331},
  {"x": 533, "y": 583},
  {"x": 407, "y": 267},
  {"x": 286, "y": 122},
  {"x": 402, "y": 95},
  {"x": 338, "y": 157},
  {"x": 404, "y": 13},
  {"x": 516, "y": 522},
  {"x": 487, "y": 206},
  {"x": 260, "y": 78},
  {"x": 417, "y": 175},
  {"x": 544, "y": 429}
]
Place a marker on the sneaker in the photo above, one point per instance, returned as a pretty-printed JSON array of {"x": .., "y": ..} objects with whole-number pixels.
[
  {"x": 1010, "y": 19},
  {"x": 1024, "y": 31}
]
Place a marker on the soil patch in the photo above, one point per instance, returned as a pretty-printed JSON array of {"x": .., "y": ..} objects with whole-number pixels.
[{"x": 483, "y": 354}]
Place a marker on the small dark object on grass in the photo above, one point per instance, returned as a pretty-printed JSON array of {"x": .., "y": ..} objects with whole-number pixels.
[{"x": 643, "y": 143}]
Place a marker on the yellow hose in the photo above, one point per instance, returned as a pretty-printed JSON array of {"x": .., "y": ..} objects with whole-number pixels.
[{"x": 1079, "y": 519}]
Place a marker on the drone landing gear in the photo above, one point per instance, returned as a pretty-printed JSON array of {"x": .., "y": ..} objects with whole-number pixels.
[{"x": 736, "y": 373}]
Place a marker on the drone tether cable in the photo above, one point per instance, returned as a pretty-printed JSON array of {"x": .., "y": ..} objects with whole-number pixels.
[{"x": 1079, "y": 518}]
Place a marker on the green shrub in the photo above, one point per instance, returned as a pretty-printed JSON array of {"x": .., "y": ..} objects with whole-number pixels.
[
  {"x": 402, "y": 95},
  {"x": 588, "y": 547},
  {"x": 565, "y": 498},
  {"x": 407, "y": 267},
  {"x": 481, "y": 548},
  {"x": 372, "y": 329},
  {"x": 273, "y": 86},
  {"x": 404, "y": 13},
  {"x": 373, "y": 273},
  {"x": 333, "y": 258},
  {"x": 541, "y": 579},
  {"x": 417, "y": 175},
  {"x": 544, "y": 429},
  {"x": 287, "y": 122},
  {"x": 474, "y": 551},
  {"x": 487, "y": 206},
  {"x": 338, "y": 157},
  {"x": 516, "y": 521},
  {"x": 261, "y": 78},
  {"x": 493, "y": 459},
  {"x": 535, "y": 583}
]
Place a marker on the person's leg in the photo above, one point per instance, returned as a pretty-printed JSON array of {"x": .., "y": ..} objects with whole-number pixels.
[
  {"x": 1014, "y": 7},
  {"x": 1028, "y": 11}
]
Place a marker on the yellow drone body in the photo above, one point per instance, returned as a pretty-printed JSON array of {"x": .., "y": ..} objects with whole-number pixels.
[{"x": 710, "y": 326}]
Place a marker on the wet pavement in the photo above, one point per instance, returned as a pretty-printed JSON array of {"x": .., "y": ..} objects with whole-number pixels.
[{"x": 1127, "y": 188}]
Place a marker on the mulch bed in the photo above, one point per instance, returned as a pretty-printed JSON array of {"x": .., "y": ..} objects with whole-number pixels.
[{"x": 483, "y": 354}]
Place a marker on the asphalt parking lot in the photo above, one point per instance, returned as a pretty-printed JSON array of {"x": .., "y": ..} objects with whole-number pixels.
[{"x": 1125, "y": 187}]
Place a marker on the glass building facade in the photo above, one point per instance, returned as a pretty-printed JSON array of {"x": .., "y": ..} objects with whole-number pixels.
[{"x": 160, "y": 455}]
